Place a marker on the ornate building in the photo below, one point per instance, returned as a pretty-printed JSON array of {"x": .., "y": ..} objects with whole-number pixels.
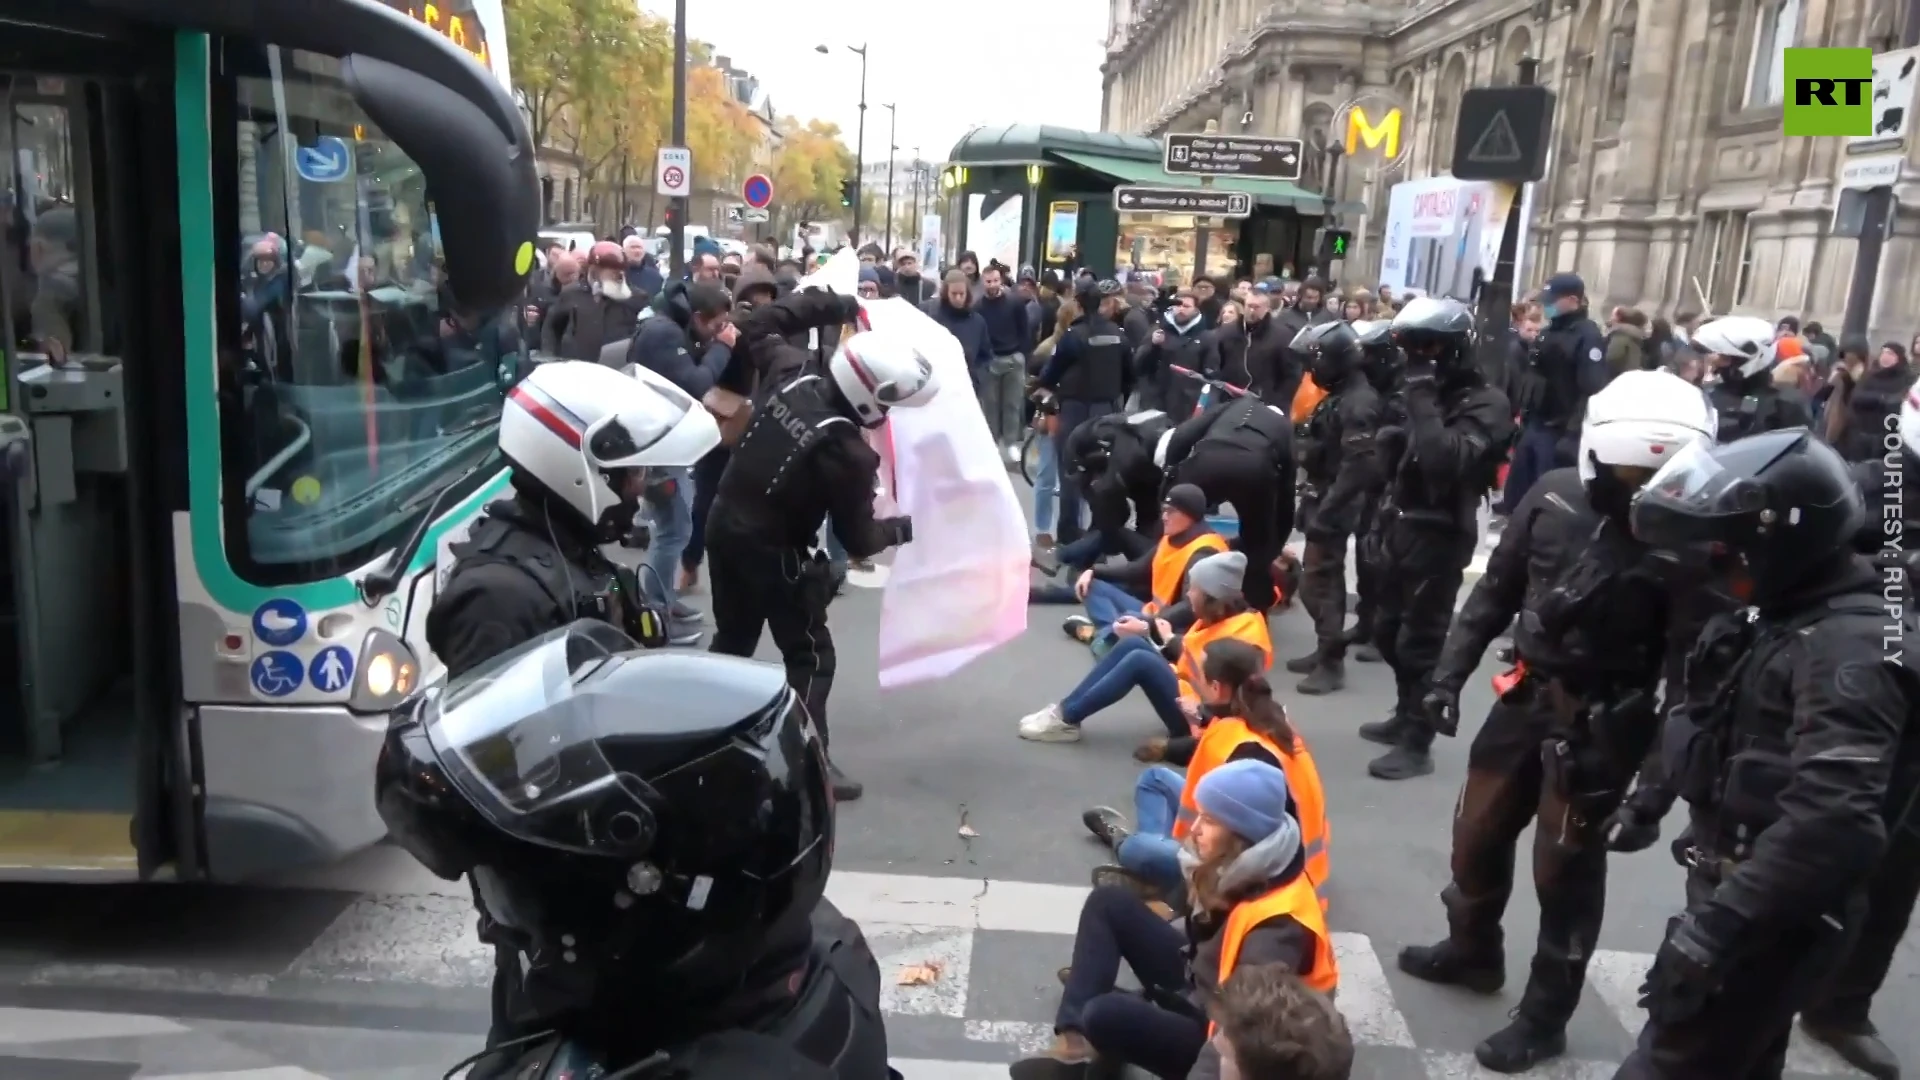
[{"x": 1668, "y": 169}]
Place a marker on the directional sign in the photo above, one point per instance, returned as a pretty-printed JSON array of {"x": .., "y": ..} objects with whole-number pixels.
[
  {"x": 673, "y": 172},
  {"x": 1251, "y": 156},
  {"x": 758, "y": 213},
  {"x": 758, "y": 191},
  {"x": 1173, "y": 200},
  {"x": 328, "y": 160},
  {"x": 1503, "y": 134}
]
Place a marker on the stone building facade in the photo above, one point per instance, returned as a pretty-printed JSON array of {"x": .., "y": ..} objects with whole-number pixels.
[{"x": 1669, "y": 167}]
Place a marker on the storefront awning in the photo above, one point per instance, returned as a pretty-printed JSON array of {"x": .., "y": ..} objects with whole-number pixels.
[{"x": 1274, "y": 193}]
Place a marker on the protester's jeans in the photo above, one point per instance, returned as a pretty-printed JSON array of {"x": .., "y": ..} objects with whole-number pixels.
[
  {"x": 1046, "y": 488},
  {"x": 1107, "y": 603},
  {"x": 1133, "y": 663},
  {"x": 1117, "y": 927},
  {"x": 1151, "y": 853},
  {"x": 672, "y": 532},
  {"x": 836, "y": 554},
  {"x": 1073, "y": 558},
  {"x": 1005, "y": 388},
  {"x": 1072, "y": 506}
]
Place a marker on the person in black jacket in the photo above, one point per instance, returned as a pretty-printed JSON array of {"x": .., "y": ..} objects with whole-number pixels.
[
  {"x": 533, "y": 563},
  {"x": 1567, "y": 364},
  {"x": 1340, "y": 473},
  {"x": 1174, "y": 342},
  {"x": 1224, "y": 348},
  {"x": 1873, "y": 404},
  {"x": 1439, "y": 467},
  {"x": 1597, "y": 629},
  {"x": 1088, "y": 376},
  {"x": 801, "y": 460},
  {"x": 1271, "y": 370},
  {"x": 1240, "y": 451},
  {"x": 1793, "y": 749},
  {"x": 1741, "y": 353}
]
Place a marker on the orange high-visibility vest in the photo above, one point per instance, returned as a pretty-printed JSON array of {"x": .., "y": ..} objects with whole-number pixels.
[
  {"x": 1248, "y": 626},
  {"x": 1170, "y": 567},
  {"x": 1306, "y": 398},
  {"x": 1217, "y": 744},
  {"x": 1296, "y": 899}
]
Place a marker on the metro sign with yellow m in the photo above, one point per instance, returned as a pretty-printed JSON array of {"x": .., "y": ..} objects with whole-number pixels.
[{"x": 1384, "y": 136}]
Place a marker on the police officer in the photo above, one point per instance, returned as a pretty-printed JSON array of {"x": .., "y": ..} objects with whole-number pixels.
[
  {"x": 1240, "y": 451},
  {"x": 1112, "y": 460},
  {"x": 1565, "y": 367},
  {"x": 1381, "y": 363},
  {"x": 1890, "y": 485},
  {"x": 1794, "y": 723},
  {"x": 1340, "y": 474},
  {"x": 648, "y": 837},
  {"x": 1088, "y": 375},
  {"x": 579, "y": 438},
  {"x": 1594, "y": 633},
  {"x": 1440, "y": 466},
  {"x": 802, "y": 460},
  {"x": 1740, "y": 351}
]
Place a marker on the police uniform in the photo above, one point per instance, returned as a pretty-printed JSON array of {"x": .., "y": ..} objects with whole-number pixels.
[
  {"x": 1593, "y": 632},
  {"x": 1566, "y": 366},
  {"x": 1241, "y": 452},
  {"x": 1090, "y": 379},
  {"x": 521, "y": 572},
  {"x": 1752, "y": 405},
  {"x": 1341, "y": 473},
  {"x": 800, "y": 461},
  {"x": 1440, "y": 467},
  {"x": 1111, "y": 459}
]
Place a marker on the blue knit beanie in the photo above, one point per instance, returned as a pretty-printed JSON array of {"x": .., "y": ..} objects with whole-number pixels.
[{"x": 1248, "y": 797}]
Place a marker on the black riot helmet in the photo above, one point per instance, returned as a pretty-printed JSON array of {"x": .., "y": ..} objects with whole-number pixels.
[
  {"x": 1380, "y": 357},
  {"x": 1332, "y": 351},
  {"x": 1783, "y": 502},
  {"x": 1435, "y": 331},
  {"x": 637, "y": 825}
]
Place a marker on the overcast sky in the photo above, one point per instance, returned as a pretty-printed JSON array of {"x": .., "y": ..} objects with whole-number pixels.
[{"x": 948, "y": 67}]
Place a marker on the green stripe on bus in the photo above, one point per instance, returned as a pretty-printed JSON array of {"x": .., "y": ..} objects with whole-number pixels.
[{"x": 193, "y": 139}]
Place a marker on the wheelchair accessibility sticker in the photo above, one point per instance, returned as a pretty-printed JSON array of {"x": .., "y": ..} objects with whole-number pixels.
[{"x": 277, "y": 673}]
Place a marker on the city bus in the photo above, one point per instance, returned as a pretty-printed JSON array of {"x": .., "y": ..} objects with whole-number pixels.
[{"x": 260, "y": 289}]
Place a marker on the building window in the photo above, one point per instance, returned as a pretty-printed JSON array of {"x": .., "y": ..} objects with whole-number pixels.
[
  {"x": 1726, "y": 255},
  {"x": 1775, "y": 28},
  {"x": 1743, "y": 261},
  {"x": 1620, "y": 64}
]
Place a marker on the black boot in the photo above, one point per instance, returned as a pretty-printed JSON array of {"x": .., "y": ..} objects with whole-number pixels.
[
  {"x": 1521, "y": 1045},
  {"x": 1404, "y": 762},
  {"x": 1366, "y": 653},
  {"x": 844, "y": 789},
  {"x": 1453, "y": 965},
  {"x": 1300, "y": 665},
  {"x": 1108, "y": 825},
  {"x": 1385, "y": 732},
  {"x": 1858, "y": 1044},
  {"x": 1328, "y": 677}
]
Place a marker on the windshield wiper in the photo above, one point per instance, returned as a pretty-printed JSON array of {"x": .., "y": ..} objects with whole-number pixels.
[
  {"x": 379, "y": 584},
  {"x": 483, "y": 416}
]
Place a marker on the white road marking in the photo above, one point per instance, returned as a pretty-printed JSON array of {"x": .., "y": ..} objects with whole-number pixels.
[
  {"x": 22, "y": 1026},
  {"x": 1448, "y": 1066},
  {"x": 1365, "y": 997}
]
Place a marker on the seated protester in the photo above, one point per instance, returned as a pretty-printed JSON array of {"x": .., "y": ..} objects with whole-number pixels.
[
  {"x": 1163, "y": 662},
  {"x": 1268, "y": 1024},
  {"x": 1153, "y": 584},
  {"x": 1252, "y": 905},
  {"x": 1243, "y": 723}
]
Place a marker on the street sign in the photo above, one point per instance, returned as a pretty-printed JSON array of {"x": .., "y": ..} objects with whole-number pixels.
[
  {"x": 1503, "y": 134},
  {"x": 1872, "y": 171},
  {"x": 673, "y": 172},
  {"x": 1251, "y": 156},
  {"x": 734, "y": 214},
  {"x": 759, "y": 213},
  {"x": 1173, "y": 200},
  {"x": 758, "y": 191},
  {"x": 1895, "y": 76}
]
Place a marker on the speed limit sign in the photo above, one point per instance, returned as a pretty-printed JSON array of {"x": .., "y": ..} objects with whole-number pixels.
[{"x": 673, "y": 172}]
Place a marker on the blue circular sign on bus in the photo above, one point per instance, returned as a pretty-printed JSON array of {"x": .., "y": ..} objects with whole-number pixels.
[
  {"x": 758, "y": 191},
  {"x": 279, "y": 622}
]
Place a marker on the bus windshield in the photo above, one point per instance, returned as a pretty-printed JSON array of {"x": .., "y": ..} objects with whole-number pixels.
[{"x": 352, "y": 393}]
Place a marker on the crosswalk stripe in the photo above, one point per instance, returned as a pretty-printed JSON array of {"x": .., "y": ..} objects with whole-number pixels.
[
  {"x": 1449, "y": 1066},
  {"x": 38, "y": 1026},
  {"x": 920, "y": 1069},
  {"x": 277, "y": 1072},
  {"x": 1365, "y": 998}
]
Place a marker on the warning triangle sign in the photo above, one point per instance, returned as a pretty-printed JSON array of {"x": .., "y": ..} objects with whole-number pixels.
[{"x": 1497, "y": 145}]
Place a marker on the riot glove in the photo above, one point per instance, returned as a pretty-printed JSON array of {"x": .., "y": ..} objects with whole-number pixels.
[
  {"x": 1635, "y": 825},
  {"x": 898, "y": 530},
  {"x": 1442, "y": 707},
  {"x": 1690, "y": 966}
]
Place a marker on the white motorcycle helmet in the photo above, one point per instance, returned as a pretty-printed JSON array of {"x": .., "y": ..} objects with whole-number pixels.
[
  {"x": 578, "y": 429},
  {"x": 1744, "y": 340},
  {"x": 1641, "y": 420},
  {"x": 879, "y": 370}
]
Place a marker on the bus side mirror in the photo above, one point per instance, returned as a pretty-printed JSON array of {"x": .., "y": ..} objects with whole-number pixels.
[{"x": 485, "y": 191}]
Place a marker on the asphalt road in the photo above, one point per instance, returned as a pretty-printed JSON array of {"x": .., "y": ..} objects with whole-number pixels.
[{"x": 966, "y": 854}]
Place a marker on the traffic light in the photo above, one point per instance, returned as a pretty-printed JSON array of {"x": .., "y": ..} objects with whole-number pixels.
[
  {"x": 849, "y": 191},
  {"x": 673, "y": 215},
  {"x": 1334, "y": 244}
]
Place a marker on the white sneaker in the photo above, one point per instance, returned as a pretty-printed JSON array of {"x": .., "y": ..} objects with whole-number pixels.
[
  {"x": 1048, "y": 725},
  {"x": 1013, "y": 455}
]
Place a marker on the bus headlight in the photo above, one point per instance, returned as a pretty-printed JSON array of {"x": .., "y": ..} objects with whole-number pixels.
[{"x": 387, "y": 676}]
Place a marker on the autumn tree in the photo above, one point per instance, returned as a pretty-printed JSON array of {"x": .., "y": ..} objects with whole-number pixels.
[
  {"x": 721, "y": 132},
  {"x": 807, "y": 171},
  {"x": 564, "y": 54}
]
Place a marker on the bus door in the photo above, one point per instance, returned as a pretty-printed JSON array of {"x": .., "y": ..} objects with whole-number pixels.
[{"x": 90, "y": 321}]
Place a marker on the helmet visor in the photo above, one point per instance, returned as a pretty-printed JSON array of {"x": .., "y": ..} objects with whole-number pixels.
[
  {"x": 1704, "y": 496},
  {"x": 522, "y": 746}
]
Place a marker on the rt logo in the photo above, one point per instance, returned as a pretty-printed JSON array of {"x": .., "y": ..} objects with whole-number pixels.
[{"x": 1829, "y": 92}]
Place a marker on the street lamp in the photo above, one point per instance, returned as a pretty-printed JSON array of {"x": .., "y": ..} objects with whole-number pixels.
[
  {"x": 860, "y": 137},
  {"x": 893, "y": 133}
]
